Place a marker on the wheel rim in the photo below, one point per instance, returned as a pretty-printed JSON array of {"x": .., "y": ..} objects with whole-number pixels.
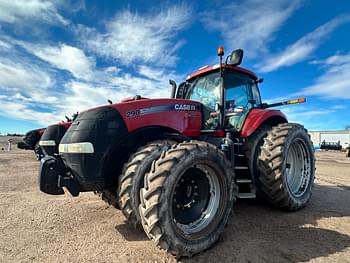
[
  {"x": 196, "y": 199},
  {"x": 298, "y": 168}
]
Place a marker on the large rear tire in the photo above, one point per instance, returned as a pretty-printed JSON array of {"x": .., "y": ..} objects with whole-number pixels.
[
  {"x": 132, "y": 178},
  {"x": 252, "y": 150},
  {"x": 287, "y": 167},
  {"x": 187, "y": 198}
]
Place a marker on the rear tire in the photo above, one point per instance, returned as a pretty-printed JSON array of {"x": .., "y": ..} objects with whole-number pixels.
[
  {"x": 187, "y": 198},
  {"x": 287, "y": 167},
  {"x": 132, "y": 178},
  {"x": 252, "y": 152}
]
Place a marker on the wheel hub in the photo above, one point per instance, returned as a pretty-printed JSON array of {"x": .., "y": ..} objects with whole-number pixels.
[
  {"x": 195, "y": 199},
  {"x": 191, "y": 196},
  {"x": 298, "y": 168}
]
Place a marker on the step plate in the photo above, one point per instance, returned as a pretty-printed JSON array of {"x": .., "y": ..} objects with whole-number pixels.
[{"x": 246, "y": 195}]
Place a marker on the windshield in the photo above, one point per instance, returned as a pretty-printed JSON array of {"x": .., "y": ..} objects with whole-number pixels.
[{"x": 205, "y": 89}]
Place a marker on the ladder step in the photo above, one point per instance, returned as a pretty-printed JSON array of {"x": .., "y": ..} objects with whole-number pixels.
[
  {"x": 241, "y": 167},
  {"x": 246, "y": 195},
  {"x": 244, "y": 181}
]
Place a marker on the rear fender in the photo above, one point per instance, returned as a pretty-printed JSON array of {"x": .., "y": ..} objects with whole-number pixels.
[{"x": 258, "y": 117}]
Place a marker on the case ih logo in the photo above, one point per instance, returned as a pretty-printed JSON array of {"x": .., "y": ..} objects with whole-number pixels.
[
  {"x": 185, "y": 107},
  {"x": 177, "y": 107}
]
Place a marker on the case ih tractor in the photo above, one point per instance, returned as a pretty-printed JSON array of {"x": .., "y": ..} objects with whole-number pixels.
[
  {"x": 177, "y": 165},
  {"x": 52, "y": 136},
  {"x": 31, "y": 142}
]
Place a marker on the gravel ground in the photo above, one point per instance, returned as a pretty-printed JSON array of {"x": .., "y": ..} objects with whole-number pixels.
[{"x": 35, "y": 227}]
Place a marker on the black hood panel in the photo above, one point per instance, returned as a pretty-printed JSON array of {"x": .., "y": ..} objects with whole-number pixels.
[
  {"x": 104, "y": 128},
  {"x": 55, "y": 133}
]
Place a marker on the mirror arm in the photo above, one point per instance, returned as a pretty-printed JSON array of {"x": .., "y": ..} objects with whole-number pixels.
[{"x": 229, "y": 56}]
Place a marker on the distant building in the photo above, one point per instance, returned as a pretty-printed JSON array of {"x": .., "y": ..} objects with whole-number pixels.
[{"x": 343, "y": 136}]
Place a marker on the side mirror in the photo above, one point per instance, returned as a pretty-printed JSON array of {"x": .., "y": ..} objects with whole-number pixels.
[
  {"x": 173, "y": 88},
  {"x": 236, "y": 57}
]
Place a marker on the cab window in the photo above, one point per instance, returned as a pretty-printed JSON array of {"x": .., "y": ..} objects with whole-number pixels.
[
  {"x": 206, "y": 90},
  {"x": 238, "y": 93},
  {"x": 256, "y": 94},
  {"x": 238, "y": 99}
]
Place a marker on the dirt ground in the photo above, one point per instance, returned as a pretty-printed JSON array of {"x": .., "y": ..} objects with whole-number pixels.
[{"x": 35, "y": 227}]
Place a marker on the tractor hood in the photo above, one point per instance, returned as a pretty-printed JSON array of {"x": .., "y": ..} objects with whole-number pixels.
[
  {"x": 30, "y": 139},
  {"x": 52, "y": 136},
  {"x": 97, "y": 132},
  {"x": 177, "y": 114},
  {"x": 138, "y": 112}
]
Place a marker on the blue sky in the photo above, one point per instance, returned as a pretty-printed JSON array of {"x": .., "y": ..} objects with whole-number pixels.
[{"x": 59, "y": 57}]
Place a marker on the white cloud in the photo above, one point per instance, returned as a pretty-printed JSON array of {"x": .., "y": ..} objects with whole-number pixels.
[
  {"x": 79, "y": 95},
  {"x": 34, "y": 90},
  {"x": 17, "y": 76},
  {"x": 21, "y": 110},
  {"x": 4, "y": 45},
  {"x": 335, "y": 82},
  {"x": 25, "y": 88},
  {"x": 155, "y": 73},
  {"x": 131, "y": 37},
  {"x": 250, "y": 25},
  {"x": 19, "y": 11},
  {"x": 307, "y": 115},
  {"x": 65, "y": 57},
  {"x": 301, "y": 49}
]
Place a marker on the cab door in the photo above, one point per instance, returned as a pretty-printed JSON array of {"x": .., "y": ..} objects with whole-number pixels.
[{"x": 239, "y": 99}]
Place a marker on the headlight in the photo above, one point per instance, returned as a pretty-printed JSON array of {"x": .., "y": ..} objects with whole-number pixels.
[
  {"x": 80, "y": 147},
  {"x": 47, "y": 143}
]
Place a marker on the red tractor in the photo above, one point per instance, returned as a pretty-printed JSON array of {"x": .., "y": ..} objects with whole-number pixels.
[
  {"x": 31, "y": 142},
  {"x": 176, "y": 166},
  {"x": 44, "y": 141},
  {"x": 53, "y": 134}
]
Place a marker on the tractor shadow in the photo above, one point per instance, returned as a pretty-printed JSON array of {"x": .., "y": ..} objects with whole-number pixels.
[
  {"x": 130, "y": 233},
  {"x": 258, "y": 232}
]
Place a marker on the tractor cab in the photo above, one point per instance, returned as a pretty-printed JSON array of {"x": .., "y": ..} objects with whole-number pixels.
[{"x": 226, "y": 91}]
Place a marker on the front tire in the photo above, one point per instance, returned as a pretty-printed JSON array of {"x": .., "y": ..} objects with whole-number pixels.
[
  {"x": 187, "y": 198},
  {"x": 287, "y": 167},
  {"x": 131, "y": 180}
]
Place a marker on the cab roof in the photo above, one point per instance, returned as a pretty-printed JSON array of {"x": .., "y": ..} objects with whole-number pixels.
[{"x": 207, "y": 69}]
